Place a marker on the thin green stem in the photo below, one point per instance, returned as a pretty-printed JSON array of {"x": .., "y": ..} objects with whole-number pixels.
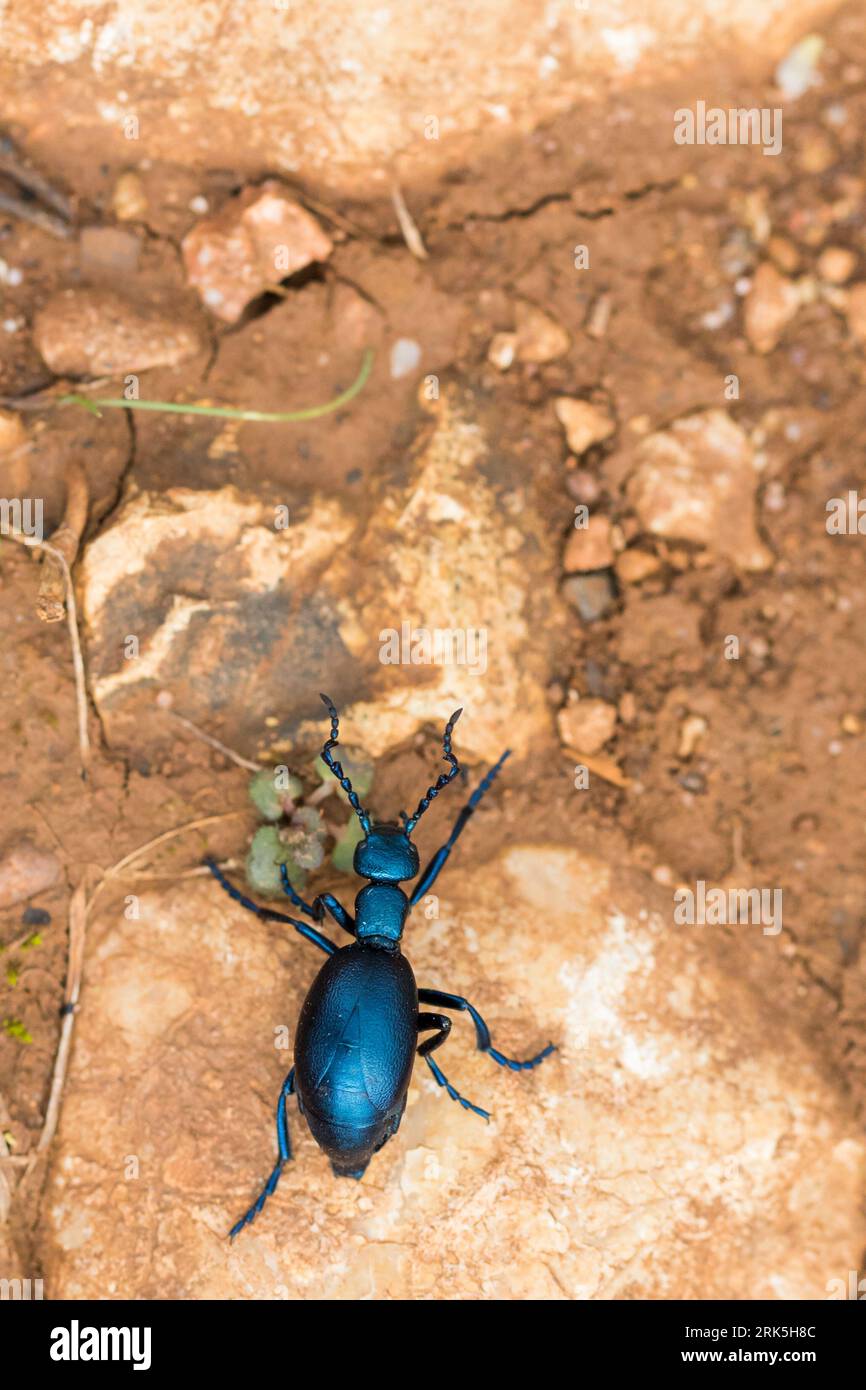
[{"x": 313, "y": 412}]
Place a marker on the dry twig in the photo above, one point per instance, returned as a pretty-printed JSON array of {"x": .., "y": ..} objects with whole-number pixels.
[
  {"x": 215, "y": 743},
  {"x": 411, "y": 234},
  {"x": 72, "y": 623},
  {"x": 50, "y": 603}
]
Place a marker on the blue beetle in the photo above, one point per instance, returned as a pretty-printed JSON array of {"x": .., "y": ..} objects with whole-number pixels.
[{"x": 358, "y": 1030}]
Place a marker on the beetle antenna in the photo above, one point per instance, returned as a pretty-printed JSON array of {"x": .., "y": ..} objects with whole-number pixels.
[
  {"x": 336, "y": 767},
  {"x": 443, "y": 779}
]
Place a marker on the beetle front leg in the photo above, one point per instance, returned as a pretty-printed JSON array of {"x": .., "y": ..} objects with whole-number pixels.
[
  {"x": 324, "y": 902},
  {"x": 482, "y": 1032}
]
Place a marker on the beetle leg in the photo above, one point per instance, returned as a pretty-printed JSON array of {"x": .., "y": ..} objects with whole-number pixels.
[
  {"x": 343, "y": 918},
  {"x": 324, "y": 902},
  {"x": 285, "y": 1154},
  {"x": 443, "y": 1025},
  {"x": 432, "y": 870},
  {"x": 268, "y": 913},
  {"x": 482, "y": 1032}
]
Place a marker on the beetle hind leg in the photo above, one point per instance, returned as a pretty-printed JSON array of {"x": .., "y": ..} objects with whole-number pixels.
[
  {"x": 267, "y": 1191},
  {"x": 443, "y": 1026}
]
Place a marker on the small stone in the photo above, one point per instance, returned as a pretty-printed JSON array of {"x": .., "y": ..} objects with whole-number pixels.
[
  {"x": 798, "y": 70},
  {"x": 692, "y": 730},
  {"x": 628, "y": 708},
  {"x": 815, "y": 152},
  {"x": 593, "y": 595},
  {"x": 852, "y": 724},
  {"x": 502, "y": 350},
  {"x": 856, "y": 312},
  {"x": 539, "y": 337},
  {"x": 256, "y": 240},
  {"x": 784, "y": 253},
  {"x": 129, "y": 200},
  {"x": 583, "y": 486},
  {"x": 13, "y": 435},
  {"x": 589, "y": 547},
  {"x": 696, "y": 481},
  {"x": 99, "y": 332},
  {"x": 585, "y": 424},
  {"x": 405, "y": 356},
  {"x": 634, "y": 566},
  {"x": 586, "y": 725},
  {"x": 770, "y": 306},
  {"x": 26, "y": 871},
  {"x": 836, "y": 265},
  {"x": 694, "y": 782},
  {"x": 598, "y": 318}
]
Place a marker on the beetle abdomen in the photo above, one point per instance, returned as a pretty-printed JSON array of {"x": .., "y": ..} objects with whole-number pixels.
[{"x": 354, "y": 1050}]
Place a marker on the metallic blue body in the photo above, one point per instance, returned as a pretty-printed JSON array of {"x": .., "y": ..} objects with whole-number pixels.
[
  {"x": 354, "y": 1050},
  {"x": 358, "y": 1030}
]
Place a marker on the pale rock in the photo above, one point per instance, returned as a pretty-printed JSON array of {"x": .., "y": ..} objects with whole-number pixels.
[
  {"x": 100, "y": 332},
  {"x": 836, "y": 265},
  {"x": 128, "y": 199},
  {"x": 26, "y": 871},
  {"x": 502, "y": 350},
  {"x": 634, "y": 566},
  {"x": 256, "y": 240},
  {"x": 539, "y": 337},
  {"x": 585, "y": 424},
  {"x": 586, "y": 725},
  {"x": 589, "y": 547},
  {"x": 593, "y": 595},
  {"x": 677, "y": 1118},
  {"x": 235, "y": 617},
  {"x": 770, "y": 306},
  {"x": 696, "y": 481}
]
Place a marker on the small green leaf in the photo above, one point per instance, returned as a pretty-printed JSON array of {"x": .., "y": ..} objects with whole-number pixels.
[{"x": 14, "y": 1028}]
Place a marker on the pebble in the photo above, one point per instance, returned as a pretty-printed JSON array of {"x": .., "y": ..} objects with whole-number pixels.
[
  {"x": 593, "y": 595},
  {"x": 696, "y": 481},
  {"x": 692, "y": 730},
  {"x": 539, "y": 337},
  {"x": 589, "y": 547},
  {"x": 502, "y": 350},
  {"x": 129, "y": 200},
  {"x": 13, "y": 435},
  {"x": 836, "y": 265},
  {"x": 256, "y": 239},
  {"x": 583, "y": 486},
  {"x": 405, "y": 357},
  {"x": 99, "y": 332},
  {"x": 634, "y": 566},
  {"x": 585, "y": 424},
  {"x": 852, "y": 724},
  {"x": 586, "y": 725},
  {"x": 798, "y": 70},
  {"x": 784, "y": 253},
  {"x": 770, "y": 306},
  {"x": 26, "y": 871}
]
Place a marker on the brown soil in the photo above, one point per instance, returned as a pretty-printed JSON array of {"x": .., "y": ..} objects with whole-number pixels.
[{"x": 779, "y": 781}]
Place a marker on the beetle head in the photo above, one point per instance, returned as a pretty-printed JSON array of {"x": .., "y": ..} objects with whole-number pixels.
[{"x": 386, "y": 853}]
